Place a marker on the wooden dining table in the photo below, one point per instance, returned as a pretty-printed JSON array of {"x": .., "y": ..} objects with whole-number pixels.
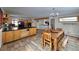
[{"x": 56, "y": 37}]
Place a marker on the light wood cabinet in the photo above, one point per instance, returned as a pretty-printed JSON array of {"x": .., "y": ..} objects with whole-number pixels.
[
  {"x": 8, "y": 36},
  {"x": 16, "y": 34},
  {"x": 32, "y": 31},
  {"x": 27, "y": 32},
  {"x": 23, "y": 33}
]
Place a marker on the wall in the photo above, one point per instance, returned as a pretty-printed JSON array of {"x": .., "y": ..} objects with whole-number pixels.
[
  {"x": 69, "y": 28},
  {"x": 39, "y": 24}
]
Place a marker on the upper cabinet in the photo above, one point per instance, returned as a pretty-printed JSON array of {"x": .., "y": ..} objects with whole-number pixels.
[{"x": 6, "y": 18}]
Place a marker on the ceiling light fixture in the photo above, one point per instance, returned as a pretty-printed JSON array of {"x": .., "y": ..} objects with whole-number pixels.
[
  {"x": 55, "y": 13},
  {"x": 52, "y": 18}
]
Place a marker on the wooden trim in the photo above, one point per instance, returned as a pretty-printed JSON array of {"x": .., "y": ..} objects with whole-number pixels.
[
  {"x": 78, "y": 18},
  {"x": 41, "y": 18},
  {"x": 72, "y": 36}
]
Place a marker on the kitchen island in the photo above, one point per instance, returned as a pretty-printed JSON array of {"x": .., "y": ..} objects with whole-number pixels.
[{"x": 12, "y": 35}]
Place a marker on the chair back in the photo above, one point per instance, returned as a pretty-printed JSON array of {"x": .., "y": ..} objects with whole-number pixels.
[{"x": 47, "y": 36}]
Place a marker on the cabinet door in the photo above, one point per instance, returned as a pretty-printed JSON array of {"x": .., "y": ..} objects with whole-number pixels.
[
  {"x": 31, "y": 31},
  {"x": 23, "y": 33},
  {"x": 9, "y": 36},
  {"x": 3, "y": 37},
  {"x": 34, "y": 30},
  {"x": 27, "y": 33},
  {"x": 16, "y": 34}
]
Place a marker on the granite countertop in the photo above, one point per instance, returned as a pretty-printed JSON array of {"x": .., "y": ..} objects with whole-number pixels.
[{"x": 19, "y": 29}]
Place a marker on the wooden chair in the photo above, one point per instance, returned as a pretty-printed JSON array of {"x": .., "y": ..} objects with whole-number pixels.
[
  {"x": 46, "y": 37},
  {"x": 61, "y": 32}
]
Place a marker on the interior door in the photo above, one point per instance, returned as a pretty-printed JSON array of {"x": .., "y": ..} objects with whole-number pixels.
[
  {"x": 1, "y": 19},
  {"x": 53, "y": 23}
]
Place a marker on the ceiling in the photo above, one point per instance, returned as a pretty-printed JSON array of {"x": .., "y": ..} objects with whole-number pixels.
[{"x": 42, "y": 11}]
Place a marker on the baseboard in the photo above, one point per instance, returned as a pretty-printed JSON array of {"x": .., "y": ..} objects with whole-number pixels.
[{"x": 73, "y": 35}]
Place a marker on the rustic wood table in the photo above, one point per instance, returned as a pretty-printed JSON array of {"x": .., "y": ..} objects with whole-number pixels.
[{"x": 56, "y": 37}]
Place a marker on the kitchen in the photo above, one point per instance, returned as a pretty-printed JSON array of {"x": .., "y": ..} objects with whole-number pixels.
[
  {"x": 15, "y": 28},
  {"x": 23, "y": 30}
]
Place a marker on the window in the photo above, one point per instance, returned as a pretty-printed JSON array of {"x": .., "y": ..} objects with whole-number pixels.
[
  {"x": 69, "y": 19},
  {"x": 15, "y": 21}
]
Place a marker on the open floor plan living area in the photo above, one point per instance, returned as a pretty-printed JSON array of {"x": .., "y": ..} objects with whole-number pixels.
[{"x": 39, "y": 29}]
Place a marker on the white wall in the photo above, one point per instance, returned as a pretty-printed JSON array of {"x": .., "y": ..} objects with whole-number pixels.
[
  {"x": 39, "y": 24},
  {"x": 69, "y": 28}
]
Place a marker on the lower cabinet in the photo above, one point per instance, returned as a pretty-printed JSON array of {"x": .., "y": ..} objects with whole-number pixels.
[
  {"x": 27, "y": 33},
  {"x": 7, "y": 36},
  {"x": 17, "y": 34},
  {"x": 23, "y": 33},
  {"x": 32, "y": 31}
]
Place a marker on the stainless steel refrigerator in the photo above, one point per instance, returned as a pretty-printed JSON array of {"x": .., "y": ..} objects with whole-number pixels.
[{"x": 1, "y": 21}]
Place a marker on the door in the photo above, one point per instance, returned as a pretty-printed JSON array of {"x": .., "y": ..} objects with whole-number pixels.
[
  {"x": 53, "y": 23},
  {"x": 1, "y": 19}
]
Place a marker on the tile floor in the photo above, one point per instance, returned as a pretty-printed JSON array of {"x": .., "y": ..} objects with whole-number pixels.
[{"x": 33, "y": 43}]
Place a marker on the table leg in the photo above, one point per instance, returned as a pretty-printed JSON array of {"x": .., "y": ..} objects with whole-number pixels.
[
  {"x": 55, "y": 44},
  {"x": 42, "y": 41}
]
